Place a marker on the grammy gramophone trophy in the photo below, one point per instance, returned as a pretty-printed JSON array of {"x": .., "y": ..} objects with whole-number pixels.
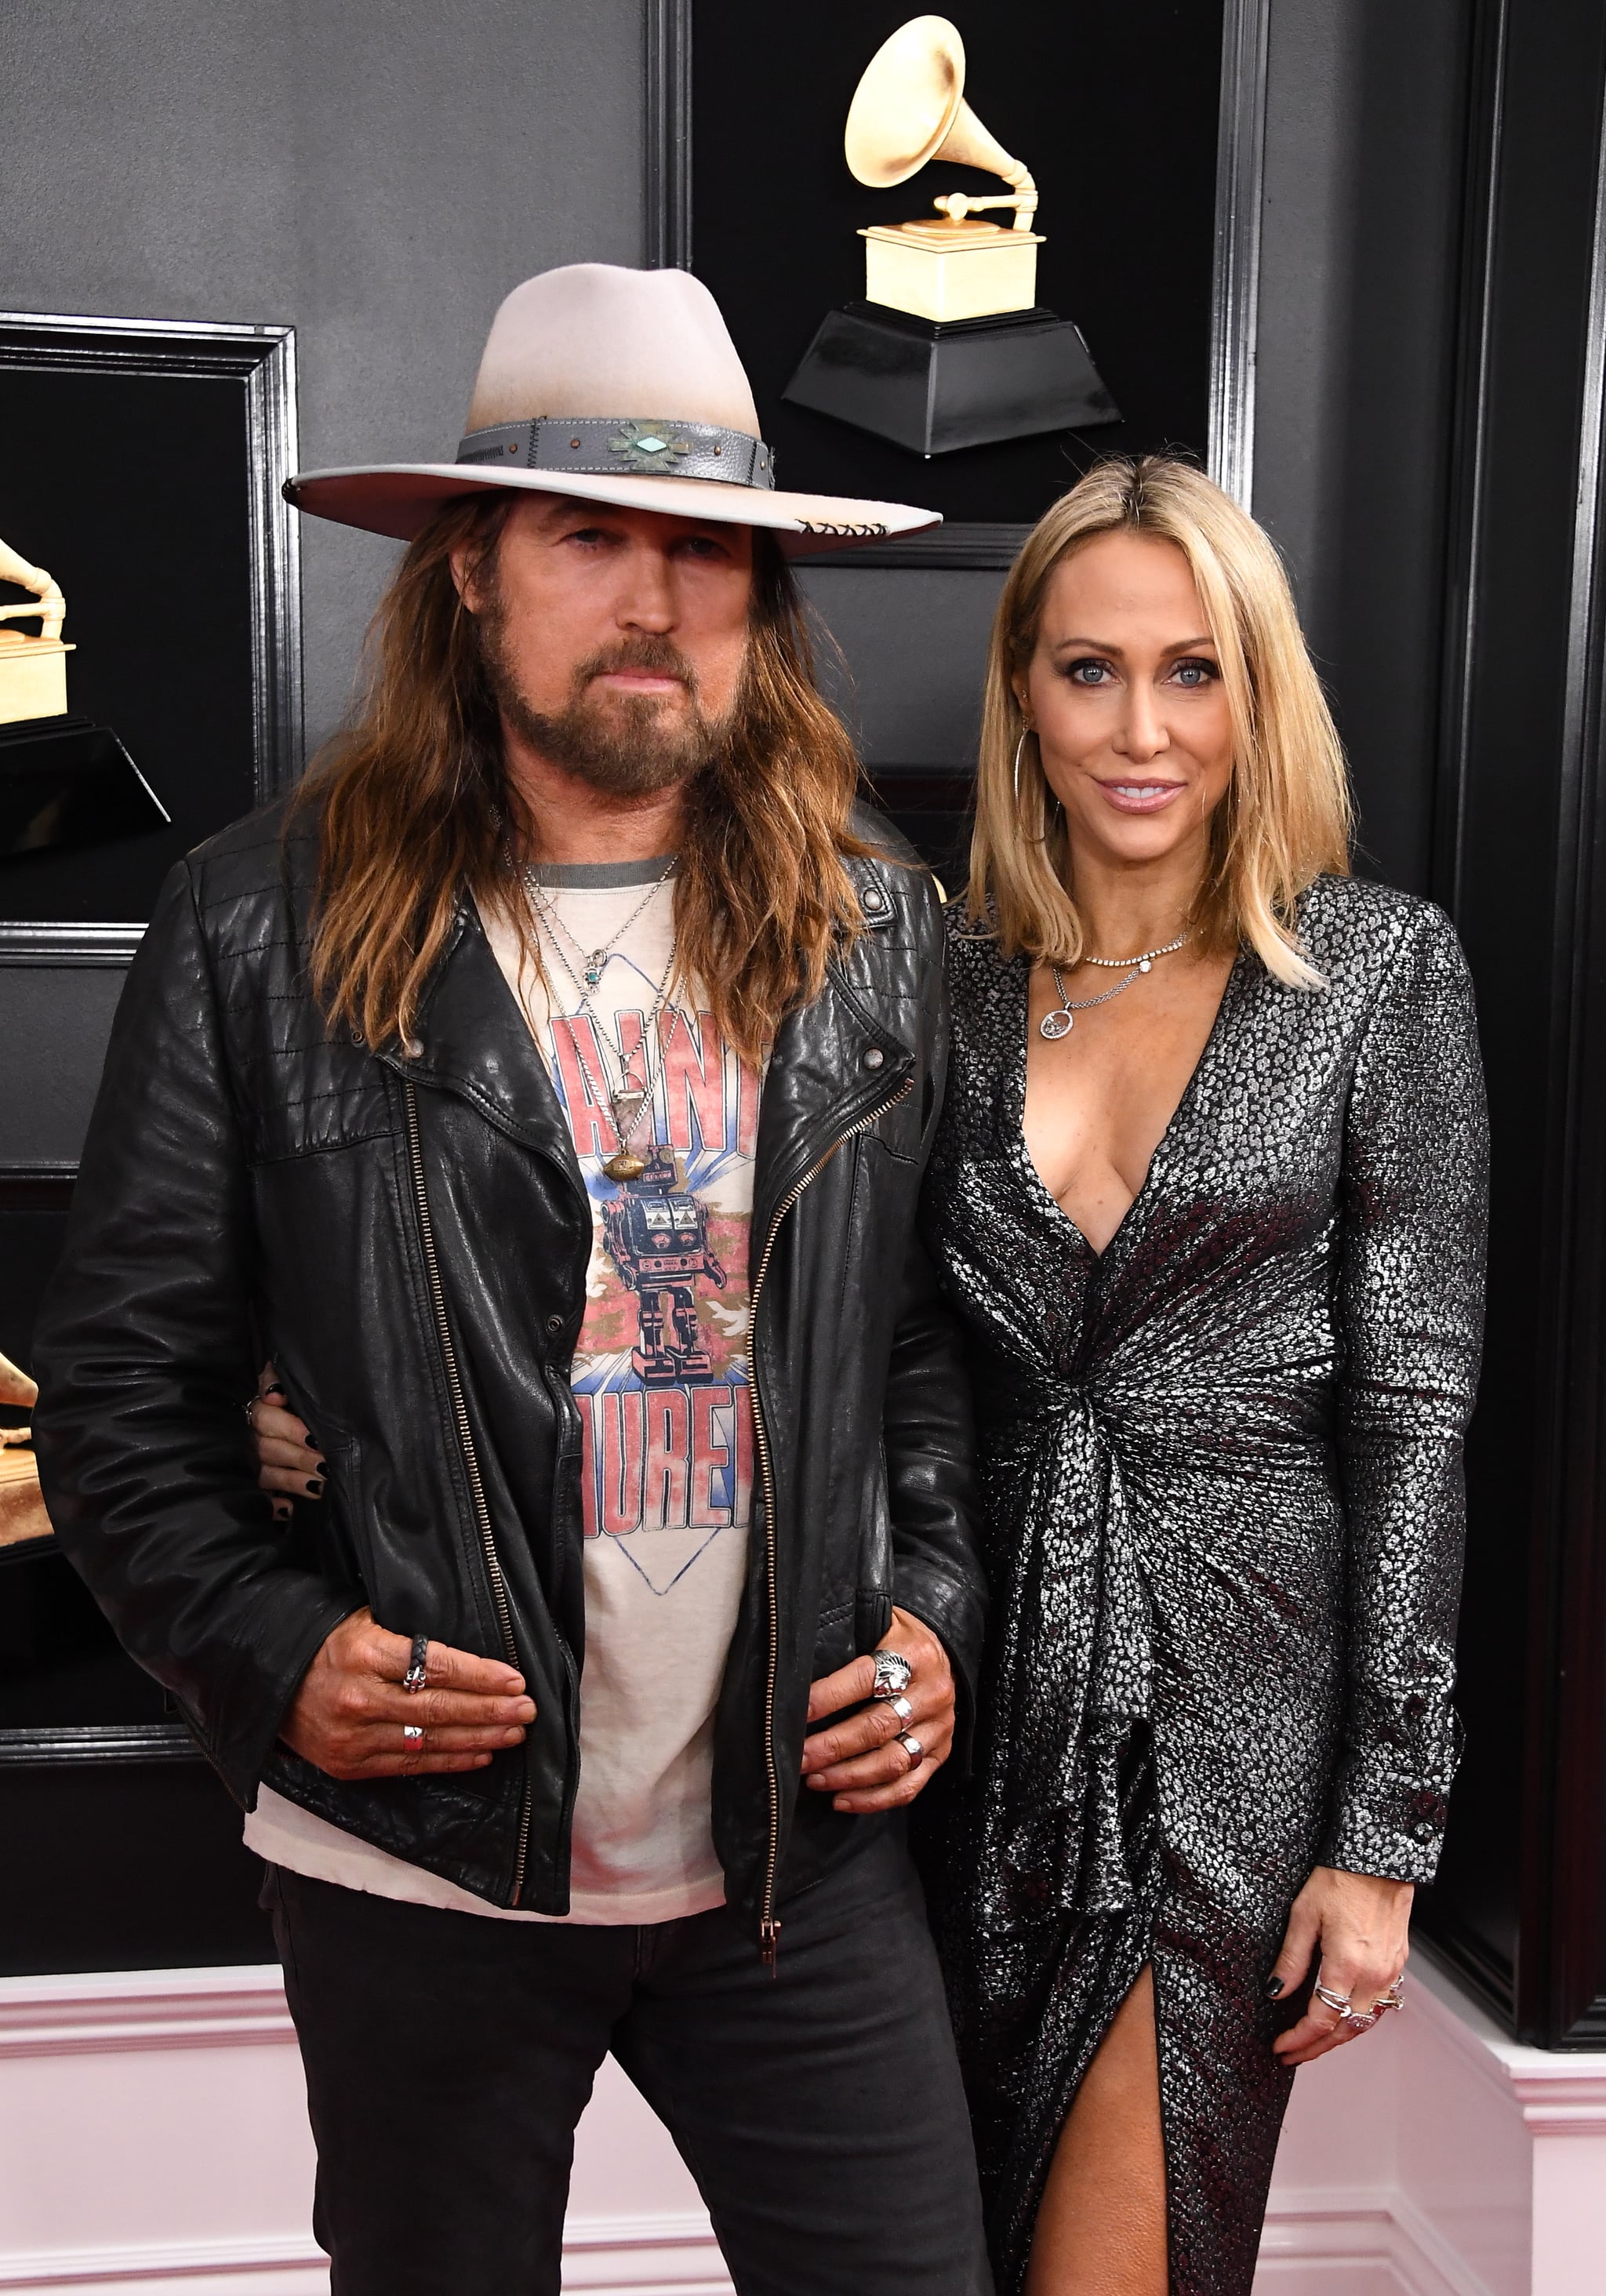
[
  {"x": 950, "y": 346},
  {"x": 64, "y": 779}
]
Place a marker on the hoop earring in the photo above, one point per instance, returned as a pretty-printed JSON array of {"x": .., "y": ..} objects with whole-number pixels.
[{"x": 1019, "y": 745}]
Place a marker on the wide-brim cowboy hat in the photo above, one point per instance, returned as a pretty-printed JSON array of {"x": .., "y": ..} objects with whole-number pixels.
[{"x": 619, "y": 386}]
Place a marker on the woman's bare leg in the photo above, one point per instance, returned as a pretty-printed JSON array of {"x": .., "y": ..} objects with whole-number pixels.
[{"x": 1101, "y": 2228}]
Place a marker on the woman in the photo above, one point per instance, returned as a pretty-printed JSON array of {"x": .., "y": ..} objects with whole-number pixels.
[{"x": 1208, "y": 1193}]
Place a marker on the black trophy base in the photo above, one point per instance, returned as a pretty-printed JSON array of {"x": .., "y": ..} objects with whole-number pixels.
[
  {"x": 66, "y": 781},
  {"x": 934, "y": 386}
]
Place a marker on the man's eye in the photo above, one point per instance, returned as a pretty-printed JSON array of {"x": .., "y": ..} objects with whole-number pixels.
[
  {"x": 1195, "y": 672},
  {"x": 702, "y": 545}
]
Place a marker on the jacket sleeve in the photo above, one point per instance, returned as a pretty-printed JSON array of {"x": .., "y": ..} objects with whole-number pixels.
[
  {"x": 1414, "y": 1207},
  {"x": 144, "y": 1358},
  {"x": 928, "y": 1432}
]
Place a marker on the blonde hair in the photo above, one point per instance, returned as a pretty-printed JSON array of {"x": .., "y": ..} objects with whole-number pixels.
[{"x": 1286, "y": 818}]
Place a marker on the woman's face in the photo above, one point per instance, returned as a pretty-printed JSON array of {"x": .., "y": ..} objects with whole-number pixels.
[{"x": 1126, "y": 695}]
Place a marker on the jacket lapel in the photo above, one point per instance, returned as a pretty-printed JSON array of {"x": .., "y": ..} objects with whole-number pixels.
[{"x": 474, "y": 1041}]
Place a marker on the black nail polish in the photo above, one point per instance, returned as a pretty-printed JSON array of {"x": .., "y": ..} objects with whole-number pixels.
[
  {"x": 314, "y": 1490},
  {"x": 1274, "y": 1987},
  {"x": 275, "y": 1390}
]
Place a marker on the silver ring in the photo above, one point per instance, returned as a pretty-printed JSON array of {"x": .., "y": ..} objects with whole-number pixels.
[
  {"x": 1341, "y": 2002},
  {"x": 1360, "y": 2021},
  {"x": 913, "y": 1748},
  {"x": 893, "y": 1674},
  {"x": 1392, "y": 1999},
  {"x": 413, "y": 1732},
  {"x": 900, "y": 1706},
  {"x": 416, "y": 1678}
]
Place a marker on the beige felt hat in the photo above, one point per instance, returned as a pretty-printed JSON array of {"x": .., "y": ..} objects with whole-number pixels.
[{"x": 619, "y": 386}]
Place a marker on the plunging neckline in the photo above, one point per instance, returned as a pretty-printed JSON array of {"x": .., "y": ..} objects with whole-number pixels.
[{"x": 1034, "y": 1176}]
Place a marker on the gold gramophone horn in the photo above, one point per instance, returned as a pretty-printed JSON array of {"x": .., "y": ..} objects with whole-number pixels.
[{"x": 909, "y": 108}]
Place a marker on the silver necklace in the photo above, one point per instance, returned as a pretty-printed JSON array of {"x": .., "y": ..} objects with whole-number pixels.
[
  {"x": 630, "y": 1102},
  {"x": 594, "y": 962},
  {"x": 1143, "y": 963},
  {"x": 1062, "y": 1019}
]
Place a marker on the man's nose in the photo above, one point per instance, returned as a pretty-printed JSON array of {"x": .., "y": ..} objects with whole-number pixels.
[{"x": 647, "y": 600}]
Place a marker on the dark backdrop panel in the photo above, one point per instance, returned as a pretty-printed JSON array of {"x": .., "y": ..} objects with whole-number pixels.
[
  {"x": 1113, "y": 105},
  {"x": 109, "y": 1864},
  {"x": 133, "y": 490},
  {"x": 126, "y": 1867}
]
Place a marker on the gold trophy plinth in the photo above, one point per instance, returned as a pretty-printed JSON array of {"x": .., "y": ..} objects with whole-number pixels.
[
  {"x": 950, "y": 346},
  {"x": 948, "y": 271}
]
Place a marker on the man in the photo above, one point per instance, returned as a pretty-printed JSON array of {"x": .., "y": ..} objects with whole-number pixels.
[{"x": 547, "y": 1093}]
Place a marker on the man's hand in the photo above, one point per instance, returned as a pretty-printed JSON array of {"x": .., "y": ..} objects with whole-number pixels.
[
  {"x": 289, "y": 1462},
  {"x": 349, "y": 1716},
  {"x": 860, "y": 1762},
  {"x": 1361, "y": 1926}
]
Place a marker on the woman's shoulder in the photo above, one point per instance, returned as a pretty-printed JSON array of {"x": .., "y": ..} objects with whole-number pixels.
[
  {"x": 1355, "y": 919},
  {"x": 975, "y": 963},
  {"x": 1366, "y": 940}
]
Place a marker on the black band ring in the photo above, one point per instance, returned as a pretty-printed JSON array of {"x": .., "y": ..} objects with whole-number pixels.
[{"x": 416, "y": 1678}]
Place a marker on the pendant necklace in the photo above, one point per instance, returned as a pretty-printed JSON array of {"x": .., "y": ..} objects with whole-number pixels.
[
  {"x": 1062, "y": 1019},
  {"x": 630, "y": 1103},
  {"x": 593, "y": 962}
]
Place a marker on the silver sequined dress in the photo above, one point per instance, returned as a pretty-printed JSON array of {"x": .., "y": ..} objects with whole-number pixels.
[{"x": 1222, "y": 1468}]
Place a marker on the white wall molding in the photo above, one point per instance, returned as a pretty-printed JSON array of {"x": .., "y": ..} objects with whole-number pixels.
[
  {"x": 145, "y": 2009},
  {"x": 1435, "y": 2158},
  {"x": 182, "y": 2090},
  {"x": 668, "y": 2255}
]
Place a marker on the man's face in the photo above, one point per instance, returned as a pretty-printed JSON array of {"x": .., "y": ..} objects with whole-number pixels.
[{"x": 614, "y": 639}]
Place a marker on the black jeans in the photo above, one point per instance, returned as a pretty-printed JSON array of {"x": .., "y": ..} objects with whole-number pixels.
[{"x": 448, "y": 2058}]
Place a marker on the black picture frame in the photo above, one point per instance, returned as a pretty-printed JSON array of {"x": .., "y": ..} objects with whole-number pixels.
[
  {"x": 671, "y": 234},
  {"x": 125, "y": 387}
]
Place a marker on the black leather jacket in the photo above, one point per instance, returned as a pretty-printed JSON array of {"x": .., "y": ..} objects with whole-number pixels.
[{"x": 409, "y": 1239}]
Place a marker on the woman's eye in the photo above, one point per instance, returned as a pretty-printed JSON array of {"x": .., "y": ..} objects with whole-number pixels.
[
  {"x": 1194, "y": 672},
  {"x": 1089, "y": 673}
]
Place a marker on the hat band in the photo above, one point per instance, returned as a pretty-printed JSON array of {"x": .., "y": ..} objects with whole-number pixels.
[{"x": 593, "y": 445}]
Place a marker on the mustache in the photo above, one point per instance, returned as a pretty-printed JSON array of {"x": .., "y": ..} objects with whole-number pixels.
[{"x": 659, "y": 657}]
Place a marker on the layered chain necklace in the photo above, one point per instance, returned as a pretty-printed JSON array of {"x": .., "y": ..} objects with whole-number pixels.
[
  {"x": 1062, "y": 1019},
  {"x": 594, "y": 962},
  {"x": 633, "y": 1097}
]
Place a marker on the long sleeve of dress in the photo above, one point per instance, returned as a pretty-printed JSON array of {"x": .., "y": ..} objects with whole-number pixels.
[{"x": 1413, "y": 1202}]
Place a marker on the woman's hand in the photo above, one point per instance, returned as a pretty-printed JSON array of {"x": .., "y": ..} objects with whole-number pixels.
[
  {"x": 861, "y": 1763},
  {"x": 352, "y": 1719},
  {"x": 290, "y": 1461},
  {"x": 1361, "y": 1926}
]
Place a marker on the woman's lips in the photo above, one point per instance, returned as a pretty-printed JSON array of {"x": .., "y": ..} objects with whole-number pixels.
[{"x": 1140, "y": 797}]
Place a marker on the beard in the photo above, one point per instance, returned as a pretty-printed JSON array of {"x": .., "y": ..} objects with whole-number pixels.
[{"x": 623, "y": 745}]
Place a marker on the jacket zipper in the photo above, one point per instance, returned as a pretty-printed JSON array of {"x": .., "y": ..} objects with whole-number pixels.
[
  {"x": 465, "y": 1437},
  {"x": 769, "y": 1928}
]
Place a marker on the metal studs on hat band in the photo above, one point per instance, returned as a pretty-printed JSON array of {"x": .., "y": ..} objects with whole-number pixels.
[{"x": 647, "y": 446}]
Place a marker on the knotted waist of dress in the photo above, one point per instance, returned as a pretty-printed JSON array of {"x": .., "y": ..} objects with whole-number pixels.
[{"x": 1072, "y": 1686}]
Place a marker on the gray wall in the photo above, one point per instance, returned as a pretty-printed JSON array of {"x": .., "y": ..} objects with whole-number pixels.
[{"x": 376, "y": 173}]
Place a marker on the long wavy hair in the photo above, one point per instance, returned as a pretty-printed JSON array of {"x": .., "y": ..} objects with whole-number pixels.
[
  {"x": 415, "y": 806},
  {"x": 1286, "y": 818}
]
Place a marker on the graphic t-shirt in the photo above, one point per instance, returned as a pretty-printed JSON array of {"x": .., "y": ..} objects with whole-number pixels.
[{"x": 660, "y": 1381}]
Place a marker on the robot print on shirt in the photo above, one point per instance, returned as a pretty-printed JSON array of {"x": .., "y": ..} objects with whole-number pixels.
[
  {"x": 659, "y": 1373},
  {"x": 658, "y": 1239}
]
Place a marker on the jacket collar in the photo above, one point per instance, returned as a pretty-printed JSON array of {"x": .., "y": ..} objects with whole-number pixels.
[
  {"x": 473, "y": 1040},
  {"x": 833, "y": 1065}
]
